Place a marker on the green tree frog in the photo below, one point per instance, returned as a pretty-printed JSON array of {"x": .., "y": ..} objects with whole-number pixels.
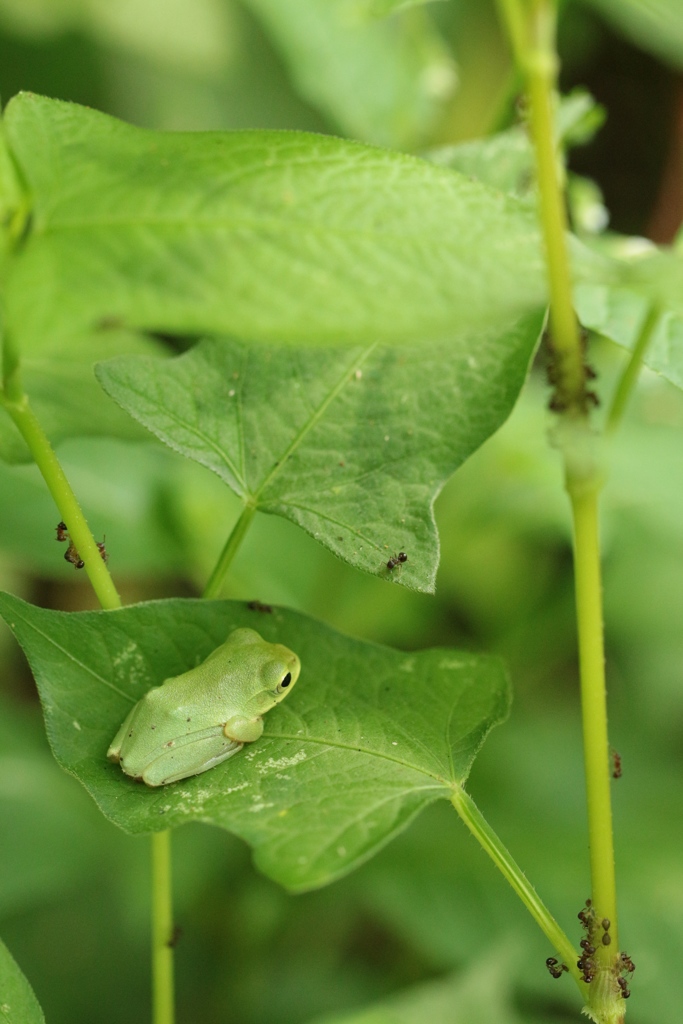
[{"x": 198, "y": 719}]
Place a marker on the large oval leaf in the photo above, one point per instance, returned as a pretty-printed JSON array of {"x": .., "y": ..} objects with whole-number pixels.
[
  {"x": 368, "y": 737},
  {"x": 279, "y": 236},
  {"x": 353, "y": 445}
]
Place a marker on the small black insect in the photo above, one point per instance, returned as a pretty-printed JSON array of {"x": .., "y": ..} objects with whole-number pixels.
[
  {"x": 257, "y": 606},
  {"x": 627, "y": 963},
  {"x": 395, "y": 560},
  {"x": 556, "y": 969},
  {"x": 72, "y": 555},
  {"x": 616, "y": 764},
  {"x": 625, "y": 992},
  {"x": 62, "y": 532}
]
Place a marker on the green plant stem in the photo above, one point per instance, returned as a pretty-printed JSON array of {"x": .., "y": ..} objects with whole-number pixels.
[
  {"x": 582, "y": 476},
  {"x": 487, "y": 838},
  {"x": 162, "y": 930},
  {"x": 15, "y": 401},
  {"x": 513, "y": 18},
  {"x": 540, "y": 67},
  {"x": 11, "y": 375},
  {"x": 629, "y": 377},
  {"x": 584, "y": 498},
  {"x": 17, "y": 405},
  {"x": 60, "y": 489},
  {"x": 538, "y": 61},
  {"x": 217, "y": 578}
]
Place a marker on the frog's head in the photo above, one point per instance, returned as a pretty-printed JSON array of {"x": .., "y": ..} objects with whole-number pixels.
[{"x": 274, "y": 670}]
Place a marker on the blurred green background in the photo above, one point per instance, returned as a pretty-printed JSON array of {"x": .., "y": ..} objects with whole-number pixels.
[{"x": 74, "y": 900}]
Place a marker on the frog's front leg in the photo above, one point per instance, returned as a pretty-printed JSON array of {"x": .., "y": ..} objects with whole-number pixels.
[
  {"x": 243, "y": 730},
  {"x": 190, "y": 755},
  {"x": 114, "y": 752}
]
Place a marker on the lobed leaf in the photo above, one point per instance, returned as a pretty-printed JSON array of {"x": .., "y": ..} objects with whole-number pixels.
[
  {"x": 18, "y": 1004},
  {"x": 368, "y": 737},
  {"x": 277, "y": 236},
  {"x": 353, "y": 445}
]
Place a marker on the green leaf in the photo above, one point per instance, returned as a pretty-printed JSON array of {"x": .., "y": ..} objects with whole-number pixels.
[
  {"x": 479, "y": 995},
  {"x": 59, "y": 379},
  {"x": 265, "y": 235},
  {"x": 12, "y": 202},
  {"x": 18, "y": 1005},
  {"x": 368, "y": 738},
  {"x": 353, "y": 445},
  {"x": 382, "y": 82},
  {"x": 655, "y": 25}
]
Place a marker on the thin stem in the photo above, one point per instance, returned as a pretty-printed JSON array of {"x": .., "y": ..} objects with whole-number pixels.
[
  {"x": 217, "y": 578},
  {"x": 584, "y": 499},
  {"x": 162, "y": 930},
  {"x": 17, "y": 405},
  {"x": 540, "y": 67},
  {"x": 629, "y": 377},
  {"x": 64, "y": 498},
  {"x": 512, "y": 16},
  {"x": 484, "y": 834},
  {"x": 11, "y": 375}
]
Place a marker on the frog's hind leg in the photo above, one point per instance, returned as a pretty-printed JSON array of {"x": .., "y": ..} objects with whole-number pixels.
[
  {"x": 114, "y": 752},
  {"x": 190, "y": 756}
]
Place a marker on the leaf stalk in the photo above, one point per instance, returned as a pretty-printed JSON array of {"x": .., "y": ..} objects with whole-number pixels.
[
  {"x": 216, "y": 580},
  {"x": 628, "y": 379},
  {"x": 501, "y": 857}
]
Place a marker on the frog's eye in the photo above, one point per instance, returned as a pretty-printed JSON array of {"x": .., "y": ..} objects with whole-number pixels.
[{"x": 284, "y": 683}]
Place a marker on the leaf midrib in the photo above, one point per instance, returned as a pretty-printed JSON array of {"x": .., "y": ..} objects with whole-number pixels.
[
  {"x": 354, "y": 748},
  {"x": 70, "y": 657},
  {"x": 282, "y": 224},
  {"x": 315, "y": 417}
]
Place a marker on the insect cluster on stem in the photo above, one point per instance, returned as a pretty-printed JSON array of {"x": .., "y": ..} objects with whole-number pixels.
[
  {"x": 564, "y": 400},
  {"x": 598, "y": 933},
  {"x": 71, "y": 554}
]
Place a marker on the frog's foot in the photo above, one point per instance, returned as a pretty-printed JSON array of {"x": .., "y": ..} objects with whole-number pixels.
[{"x": 114, "y": 752}]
